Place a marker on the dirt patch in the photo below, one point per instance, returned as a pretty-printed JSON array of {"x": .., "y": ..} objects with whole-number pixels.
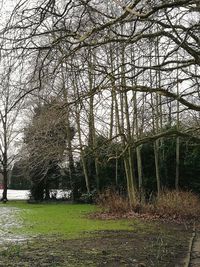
[
  {"x": 147, "y": 217},
  {"x": 105, "y": 248},
  {"x": 152, "y": 245}
]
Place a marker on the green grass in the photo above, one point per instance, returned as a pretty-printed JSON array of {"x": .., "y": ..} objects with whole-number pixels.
[
  {"x": 60, "y": 230},
  {"x": 69, "y": 220}
]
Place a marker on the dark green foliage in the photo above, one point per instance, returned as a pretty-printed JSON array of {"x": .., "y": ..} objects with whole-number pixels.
[
  {"x": 189, "y": 165},
  {"x": 37, "y": 190},
  {"x": 19, "y": 179},
  {"x": 111, "y": 169},
  {"x": 42, "y": 184},
  {"x": 148, "y": 168},
  {"x": 45, "y": 140},
  {"x": 45, "y": 172},
  {"x": 190, "y": 169}
]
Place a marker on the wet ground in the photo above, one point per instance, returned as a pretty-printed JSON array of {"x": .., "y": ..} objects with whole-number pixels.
[
  {"x": 119, "y": 248},
  {"x": 9, "y": 218},
  {"x": 165, "y": 247}
]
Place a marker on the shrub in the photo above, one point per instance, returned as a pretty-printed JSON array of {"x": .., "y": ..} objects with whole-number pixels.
[
  {"x": 177, "y": 204},
  {"x": 170, "y": 205},
  {"x": 113, "y": 202}
]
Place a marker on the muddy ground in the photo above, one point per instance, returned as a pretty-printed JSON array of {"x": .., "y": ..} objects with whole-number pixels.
[{"x": 164, "y": 248}]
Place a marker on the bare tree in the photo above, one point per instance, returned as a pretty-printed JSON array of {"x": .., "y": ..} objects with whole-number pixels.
[
  {"x": 85, "y": 31},
  {"x": 9, "y": 125}
]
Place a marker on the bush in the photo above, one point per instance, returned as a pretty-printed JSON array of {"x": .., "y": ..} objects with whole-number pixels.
[
  {"x": 171, "y": 205},
  {"x": 113, "y": 202},
  {"x": 177, "y": 204}
]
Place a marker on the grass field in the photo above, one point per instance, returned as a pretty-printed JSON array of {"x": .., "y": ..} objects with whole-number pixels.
[
  {"x": 69, "y": 220},
  {"x": 62, "y": 235}
]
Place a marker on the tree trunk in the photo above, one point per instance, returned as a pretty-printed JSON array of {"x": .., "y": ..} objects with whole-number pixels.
[
  {"x": 92, "y": 132},
  {"x": 178, "y": 138},
  {"x": 156, "y": 156},
  {"x": 129, "y": 163},
  {"x": 47, "y": 191},
  {"x": 155, "y": 115},
  {"x": 177, "y": 162},
  {"x": 69, "y": 141},
  {"x": 5, "y": 183},
  {"x": 78, "y": 122},
  {"x": 5, "y": 160}
]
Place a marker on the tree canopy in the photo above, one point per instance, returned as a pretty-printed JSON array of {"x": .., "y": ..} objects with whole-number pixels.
[{"x": 124, "y": 70}]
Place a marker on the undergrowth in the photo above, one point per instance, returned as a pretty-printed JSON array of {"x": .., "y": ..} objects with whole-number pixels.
[
  {"x": 113, "y": 202},
  {"x": 183, "y": 204},
  {"x": 170, "y": 204}
]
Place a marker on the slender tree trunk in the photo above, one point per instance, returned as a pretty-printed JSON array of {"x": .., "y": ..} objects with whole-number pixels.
[
  {"x": 136, "y": 132},
  {"x": 154, "y": 104},
  {"x": 92, "y": 132},
  {"x": 78, "y": 123},
  {"x": 177, "y": 139},
  {"x": 130, "y": 189},
  {"x": 5, "y": 182},
  {"x": 5, "y": 158},
  {"x": 129, "y": 162},
  {"x": 83, "y": 161},
  {"x": 82, "y": 155},
  {"x": 116, "y": 171},
  {"x": 69, "y": 141},
  {"x": 156, "y": 155},
  {"x": 111, "y": 115},
  {"x": 177, "y": 162},
  {"x": 47, "y": 192},
  {"x": 139, "y": 167}
]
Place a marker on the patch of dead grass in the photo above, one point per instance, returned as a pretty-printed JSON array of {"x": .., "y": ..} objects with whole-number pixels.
[{"x": 176, "y": 206}]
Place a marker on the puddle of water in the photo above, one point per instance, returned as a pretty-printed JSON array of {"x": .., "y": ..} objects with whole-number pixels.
[
  {"x": 8, "y": 219},
  {"x": 9, "y": 216}
]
